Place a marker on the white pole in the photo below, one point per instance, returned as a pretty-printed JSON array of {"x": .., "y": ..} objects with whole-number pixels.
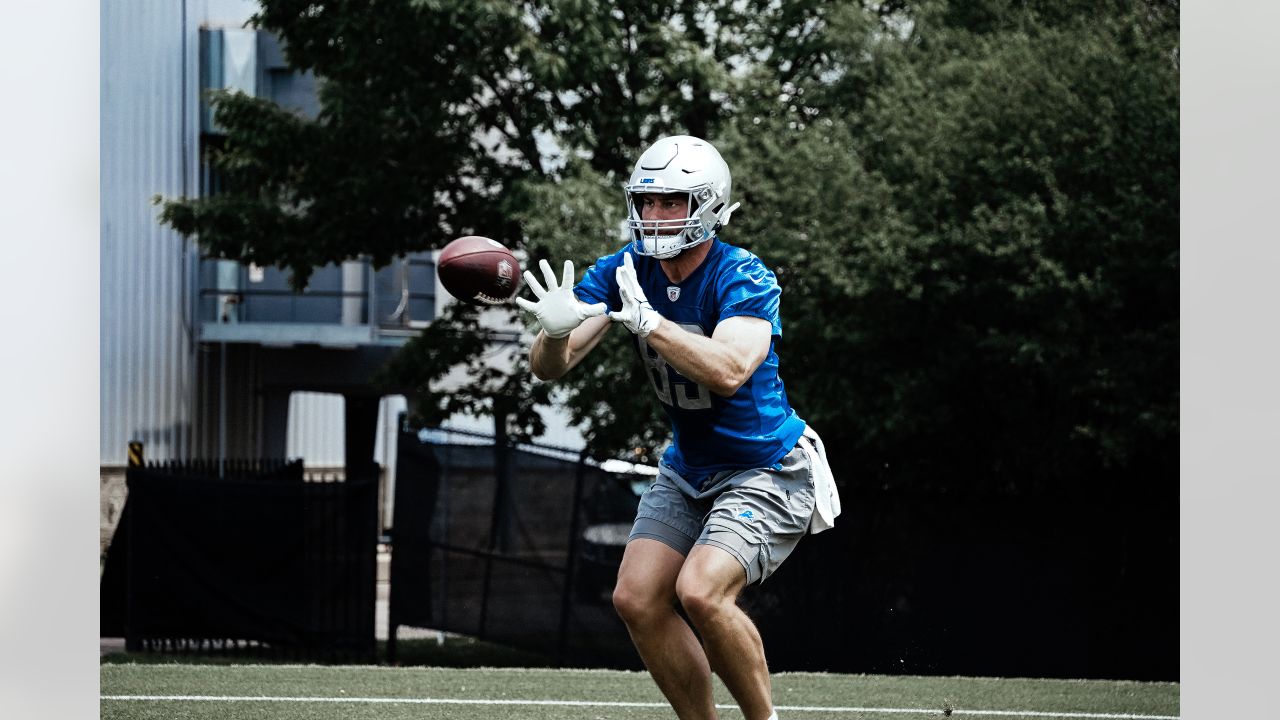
[{"x": 222, "y": 409}]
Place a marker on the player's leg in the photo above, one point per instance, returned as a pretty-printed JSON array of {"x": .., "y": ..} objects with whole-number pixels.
[
  {"x": 667, "y": 524},
  {"x": 708, "y": 587},
  {"x": 645, "y": 598},
  {"x": 753, "y": 526}
]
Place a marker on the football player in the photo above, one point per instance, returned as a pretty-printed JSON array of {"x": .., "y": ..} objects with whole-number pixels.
[{"x": 744, "y": 478}]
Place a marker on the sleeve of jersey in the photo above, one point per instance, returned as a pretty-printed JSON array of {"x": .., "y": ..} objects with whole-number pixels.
[
  {"x": 751, "y": 289},
  {"x": 598, "y": 284}
]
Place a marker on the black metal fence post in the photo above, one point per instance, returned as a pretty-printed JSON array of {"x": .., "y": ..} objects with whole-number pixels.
[
  {"x": 501, "y": 515},
  {"x": 131, "y": 641},
  {"x": 571, "y": 562}
]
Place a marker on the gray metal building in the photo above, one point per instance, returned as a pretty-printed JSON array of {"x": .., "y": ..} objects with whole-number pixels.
[
  {"x": 149, "y": 136},
  {"x": 206, "y": 358}
]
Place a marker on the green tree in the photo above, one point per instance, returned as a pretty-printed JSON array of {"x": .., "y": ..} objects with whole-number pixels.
[
  {"x": 436, "y": 119},
  {"x": 973, "y": 215},
  {"x": 971, "y": 207},
  {"x": 985, "y": 247}
]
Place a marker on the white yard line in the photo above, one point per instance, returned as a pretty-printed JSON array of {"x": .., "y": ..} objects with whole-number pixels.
[{"x": 600, "y": 703}]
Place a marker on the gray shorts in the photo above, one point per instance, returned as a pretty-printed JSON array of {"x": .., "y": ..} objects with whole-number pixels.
[{"x": 756, "y": 515}]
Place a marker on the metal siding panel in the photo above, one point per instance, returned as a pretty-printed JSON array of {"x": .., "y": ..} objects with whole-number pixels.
[
  {"x": 171, "y": 178},
  {"x": 316, "y": 428},
  {"x": 559, "y": 432},
  {"x": 145, "y": 364}
]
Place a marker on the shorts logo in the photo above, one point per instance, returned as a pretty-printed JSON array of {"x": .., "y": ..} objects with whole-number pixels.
[{"x": 747, "y": 514}]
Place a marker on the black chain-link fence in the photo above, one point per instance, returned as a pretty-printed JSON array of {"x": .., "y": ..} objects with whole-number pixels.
[
  {"x": 522, "y": 547},
  {"x": 516, "y": 545}
]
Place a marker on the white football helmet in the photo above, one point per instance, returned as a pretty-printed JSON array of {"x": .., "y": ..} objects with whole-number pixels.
[{"x": 683, "y": 164}]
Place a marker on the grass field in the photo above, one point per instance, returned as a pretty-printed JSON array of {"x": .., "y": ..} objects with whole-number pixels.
[{"x": 388, "y": 693}]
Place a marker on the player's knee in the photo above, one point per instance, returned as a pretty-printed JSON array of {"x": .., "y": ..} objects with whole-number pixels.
[
  {"x": 701, "y": 600},
  {"x": 633, "y": 604},
  {"x": 625, "y": 602}
]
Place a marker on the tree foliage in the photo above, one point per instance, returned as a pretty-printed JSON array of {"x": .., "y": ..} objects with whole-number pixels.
[{"x": 971, "y": 207}]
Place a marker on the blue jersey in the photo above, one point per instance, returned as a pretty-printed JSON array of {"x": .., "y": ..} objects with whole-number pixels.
[{"x": 756, "y": 427}]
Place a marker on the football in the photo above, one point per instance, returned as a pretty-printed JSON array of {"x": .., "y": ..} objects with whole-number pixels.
[{"x": 479, "y": 271}]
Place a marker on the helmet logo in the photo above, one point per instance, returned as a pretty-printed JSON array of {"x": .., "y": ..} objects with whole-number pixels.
[
  {"x": 646, "y": 181},
  {"x": 673, "y": 293}
]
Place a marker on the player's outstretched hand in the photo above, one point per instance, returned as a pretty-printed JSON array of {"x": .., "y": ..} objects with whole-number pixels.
[
  {"x": 557, "y": 308},
  {"x": 636, "y": 313}
]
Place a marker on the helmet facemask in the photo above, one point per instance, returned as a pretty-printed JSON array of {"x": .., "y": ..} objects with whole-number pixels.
[{"x": 664, "y": 239}]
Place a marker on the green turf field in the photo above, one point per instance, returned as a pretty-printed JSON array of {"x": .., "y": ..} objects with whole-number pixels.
[{"x": 390, "y": 693}]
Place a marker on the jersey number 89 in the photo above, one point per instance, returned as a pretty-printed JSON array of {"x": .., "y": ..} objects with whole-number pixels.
[{"x": 688, "y": 394}]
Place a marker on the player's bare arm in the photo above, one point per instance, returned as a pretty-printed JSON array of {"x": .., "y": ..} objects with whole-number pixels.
[
  {"x": 722, "y": 362},
  {"x": 551, "y": 358}
]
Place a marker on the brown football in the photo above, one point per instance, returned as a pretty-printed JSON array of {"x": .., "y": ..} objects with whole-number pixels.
[{"x": 479, "y": 271}]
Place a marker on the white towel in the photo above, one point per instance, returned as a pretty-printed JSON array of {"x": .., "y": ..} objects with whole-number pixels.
[{"x": 824, "y": 484}]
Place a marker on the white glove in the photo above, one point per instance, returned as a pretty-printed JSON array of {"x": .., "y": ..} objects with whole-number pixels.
[
  {"x": 636, "y": 313},
  {"x": 557, "y": 308}
]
